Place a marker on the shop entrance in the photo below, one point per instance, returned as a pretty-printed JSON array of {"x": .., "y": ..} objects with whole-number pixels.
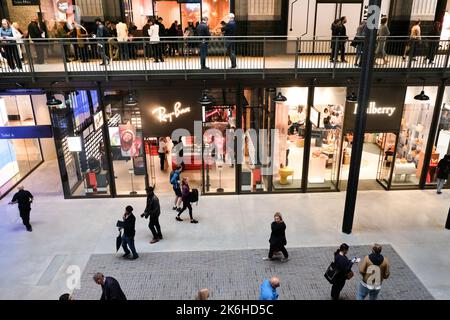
[{"x": 377, "y": 161}]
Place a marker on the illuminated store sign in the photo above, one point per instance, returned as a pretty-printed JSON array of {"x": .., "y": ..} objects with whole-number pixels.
[
  {"x": 162, "y": 115},
  {"x": 373, "y": 109}
]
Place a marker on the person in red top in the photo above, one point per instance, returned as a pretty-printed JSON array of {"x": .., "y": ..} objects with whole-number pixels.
[{"x": 185, "y": 197}]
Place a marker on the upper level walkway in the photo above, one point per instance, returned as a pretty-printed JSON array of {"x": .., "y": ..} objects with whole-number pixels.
[{"x": 256, "y": 57}]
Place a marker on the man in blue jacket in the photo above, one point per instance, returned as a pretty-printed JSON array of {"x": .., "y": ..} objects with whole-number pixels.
[
  {"x": 268, "y": 289},
  {"x": 203, "y": 32}
]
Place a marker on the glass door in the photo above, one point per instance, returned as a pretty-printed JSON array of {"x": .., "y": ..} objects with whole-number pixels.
[{"x": 386, "y": 142}]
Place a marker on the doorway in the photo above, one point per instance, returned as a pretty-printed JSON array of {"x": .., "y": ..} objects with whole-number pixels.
[{"x": 377, "y": 161}]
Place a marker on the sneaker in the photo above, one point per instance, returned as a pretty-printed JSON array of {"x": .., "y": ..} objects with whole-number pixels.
[
  {"x": 178, "y": 209},
  {"x": 30, "y": 229},
  {"x": 126, "y": 255},
  {"x": 134, "y": 257},
  {"x": 285, "y": 259},
  {"x": 154, "y": 241},
  {"x": 194, "y": 221},
  {"x": 178, "y": 218},
  {"x": 160, "y": 237}
]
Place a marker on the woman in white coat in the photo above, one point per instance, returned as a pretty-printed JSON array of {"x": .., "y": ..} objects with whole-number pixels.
[{"x": 153, "y": 32}]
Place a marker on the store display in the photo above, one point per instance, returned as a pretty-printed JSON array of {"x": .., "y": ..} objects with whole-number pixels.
[{"x": 284, "y": 173}]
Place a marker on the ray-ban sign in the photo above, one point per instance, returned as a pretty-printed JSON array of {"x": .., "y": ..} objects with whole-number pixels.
[{"x": 163, "y": 116}]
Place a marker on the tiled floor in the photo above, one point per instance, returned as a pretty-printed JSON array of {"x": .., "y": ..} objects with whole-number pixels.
[
  {"x": 68, "y": 232},
  {"x": 237, "y": 274}
]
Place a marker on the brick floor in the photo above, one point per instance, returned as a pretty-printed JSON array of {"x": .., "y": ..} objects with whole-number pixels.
[{"x": 237, "y": 274}]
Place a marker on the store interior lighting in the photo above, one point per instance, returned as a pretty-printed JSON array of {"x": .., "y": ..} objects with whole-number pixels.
[
  {"x": 422, "y": 96},
  {"x": 352, "y": 97},
  {"x": 205, "y": 99},
  {"x": 131, "y": 100},
  {"x": 280, "y": 98}
]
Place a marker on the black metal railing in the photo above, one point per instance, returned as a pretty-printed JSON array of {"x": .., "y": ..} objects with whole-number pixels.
[{"x": 260, "y": 56}]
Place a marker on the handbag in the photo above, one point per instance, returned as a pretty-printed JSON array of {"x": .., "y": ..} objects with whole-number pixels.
[
  {"x": 331, "y": 273},
  {"x": 350, "y": 275}
]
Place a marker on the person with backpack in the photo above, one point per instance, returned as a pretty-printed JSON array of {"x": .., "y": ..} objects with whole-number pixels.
[
  {"x": 374, "y": 269},
  {"x": 175, "y": 182},
  {"x": 187, "y": 198},
  {"x": 443, "y": 170},
  {"x": 344, "y": 267},
  {"x": 153, "y": 211}
]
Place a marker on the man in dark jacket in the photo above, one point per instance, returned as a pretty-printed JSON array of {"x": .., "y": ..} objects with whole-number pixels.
[
  {"x": 203, "y": 33},
  {"x": 129, "y": 231},
  {"x": 443, "y": 170},
  {"x": 145, "y": 35},
  {"x": 101, "y": 34},
  {"x": 229, "y": 31},
  {"x": 342, "y": 34},
  {"x": 153, "y": 211},
  {"x": 110, "y": 288},
  {"x": 24, "y": 198},
  {"x": 36, "y": 34}
]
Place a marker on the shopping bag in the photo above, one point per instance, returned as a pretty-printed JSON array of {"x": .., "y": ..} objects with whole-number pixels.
[{"x": 12, "y": 214}]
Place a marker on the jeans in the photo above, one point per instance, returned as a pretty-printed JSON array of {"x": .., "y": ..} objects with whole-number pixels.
[
  {"x": 155, "y": 228},
  {"x": 363, "y": 292},
  {"x": 203, "y": 54},
  {"x": 186, "y": 205},
  {"x": 129, "y": 242},
  {"x": 231, "y": 53},
  {"x": 25, "y": 215},
  {"x": 440, "y": 184},
  {"x": 124, "y": 51},
  {"x": 102, "y": 49}
]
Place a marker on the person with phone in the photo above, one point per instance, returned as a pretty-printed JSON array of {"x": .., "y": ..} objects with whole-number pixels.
[
  {"x": 344, "y": 267},
  {"x": 129, "y": 231}
]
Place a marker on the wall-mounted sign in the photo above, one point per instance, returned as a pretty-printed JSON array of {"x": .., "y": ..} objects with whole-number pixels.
[
  {"x": 98, "y": 120},
  {"x": 384, "y": 112},
  {"x": 26, "y": 132},
  {"x": 26, "y": 2},
  {"x": 74, "y": 144},
  {"x": 162, "y": 112},
  {"x": 163, "y": 116}
]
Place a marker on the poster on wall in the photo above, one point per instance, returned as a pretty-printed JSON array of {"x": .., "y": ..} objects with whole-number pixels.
[
  {"x": 384, "y": 112},
  {"x": 130, "y": 141}
]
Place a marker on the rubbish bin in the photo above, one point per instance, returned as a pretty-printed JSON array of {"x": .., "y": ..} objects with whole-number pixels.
[{"x": 447, "y": 224}]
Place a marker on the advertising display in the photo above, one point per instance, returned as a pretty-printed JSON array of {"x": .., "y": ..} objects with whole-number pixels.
[
  {"x": 26, "y": 132},
  {"x": 130, "y": 141},
  {"x": 162, "y": 113},
  {"x": 80, "y": 105},
  {"x": 384, "y": 112},
  {"x": 114, "y": 136},
  {"x": 98, "y": 120}
]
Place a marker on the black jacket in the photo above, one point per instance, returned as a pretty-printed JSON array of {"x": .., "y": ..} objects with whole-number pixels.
[
  {"x": 129, "y": 229},
  {"x": 152, "y": 209},
  {"x": 230, "y": 29},
  {"x": 145, "y": 29},
  {"x": 278, "y": 236},
  {"x": 24, "y": 199},
  {"x": 203, "y": 30},
  {"x": 33, "y": 31},
  {"x": 443, "y": 169},
  {"x": 343, "y": 265},
  {"x": 111, "y": 290}
]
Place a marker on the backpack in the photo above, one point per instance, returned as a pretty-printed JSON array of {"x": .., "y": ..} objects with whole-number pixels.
[{"x": 193, "y": 195}]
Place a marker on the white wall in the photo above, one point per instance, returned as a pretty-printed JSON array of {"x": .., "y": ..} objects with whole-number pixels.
[
  {"x": 43, "y": 118},
  {"x": 330, "y": 95},
  {"x": 301, "y": 14}
]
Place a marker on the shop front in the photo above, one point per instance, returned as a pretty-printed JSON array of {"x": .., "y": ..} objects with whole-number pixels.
[{"x": 257, "y": 140}]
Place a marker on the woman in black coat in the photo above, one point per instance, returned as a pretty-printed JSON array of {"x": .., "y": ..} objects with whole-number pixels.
[
  {"x": 278, "y": 237},
  {"x": 443, "y": 170},
  {"x": 344, "y": 267}
]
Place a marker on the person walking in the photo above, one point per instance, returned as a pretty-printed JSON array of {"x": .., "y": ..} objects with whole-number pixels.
[
  {"x": 129, "y": 231},
  {"x": 374, "y": 269},
  {"x": 278, "y": 238},
  {"x": 185, "y": 196},
  {"x": 433, "y": 42},
  {"x": 203, "y": 33},
  {"x": 229, "y": 31},
  {"x": 122, "y": 39},
  {"x": 342, "y": 38},
  {"x": 344, "y": 267},
  {"x": 415, "y": 37},
  {"x": 361, "y": 33},
  {"x": 153, "y": 210},
  {"x": 24, "y": 199},
  {"x": 36, "y": 35},
  {"x": 9, "y": 45},
  {"x": 268, "y": 289},
  {"x": 175, "y": 182},
  {"x": 383, "y": 33},
  {"x": 111, "y": 289},
  {"x": 153, "y": 32},
  {"x": 443, "y": 170},
  {"x": 102, "y": 42},
  {"x": 162, "y": 150}
]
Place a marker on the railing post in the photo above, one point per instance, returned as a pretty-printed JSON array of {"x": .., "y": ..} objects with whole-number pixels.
[
  {"x": 145, "y": 59},
  {"x": 297, "y": 56},
  {"x": 335, "y": 52},
  {"x": 447, "y": 56},
  {"x": 65, "y": 58},
  {"x": 264, "y": 57},
  {"x": 186, "y": 53},
  {"x": 224, "y": 59}
]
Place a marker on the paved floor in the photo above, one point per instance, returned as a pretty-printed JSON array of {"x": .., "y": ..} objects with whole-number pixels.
[
  {"x": 236, "y": 275},
  {"x": 68, "y": 232}
]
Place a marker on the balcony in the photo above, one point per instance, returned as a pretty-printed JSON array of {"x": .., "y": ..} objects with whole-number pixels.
[{"x": 257, "y": 58}]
